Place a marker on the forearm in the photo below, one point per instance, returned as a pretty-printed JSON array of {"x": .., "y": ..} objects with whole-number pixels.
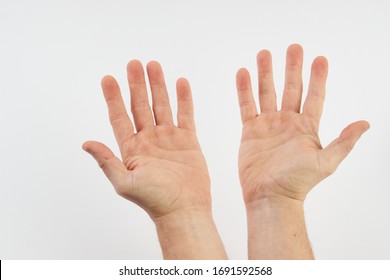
[
  {"x": 276, "y": 230},
  {"x": 189, "y": 235}
]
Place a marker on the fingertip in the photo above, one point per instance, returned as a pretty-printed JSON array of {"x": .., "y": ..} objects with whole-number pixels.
[
  {"x": 242, "y": 72},
  {"x": 294, "y": 55},
  {"x": 135, "y": 71},
  {"x": 263, "y": 54},
  {"x": 110, "y": 87},
  {"x": 154, "y": 70},
  {"x": 366, "y": 125},
  {"x": 182, "y": 84},
  {"x": 183, "y": 89},
  {"x": 153, "y": 64},
  {"x": 361, "y": 125},
  {"x": 319, "y": 67},
  {"x": 90, "y": 146},
  {"x": 296, "y": 48},
  {"x": 242, "y": 79},
  {"x": 85, "y": 146},
  {"x": 155, "y": 73},
  {"x": 107, "y": 80},
  {"x": 182, "y": 79},
  {"x": 264, "y": 60},
  {"x": 321, "y": 59},
  {"x": 134, "y": 63},
  {"x": 321, "y": 62}
]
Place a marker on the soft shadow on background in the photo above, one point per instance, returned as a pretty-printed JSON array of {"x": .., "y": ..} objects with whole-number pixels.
[{"x": 55, "y": 203}]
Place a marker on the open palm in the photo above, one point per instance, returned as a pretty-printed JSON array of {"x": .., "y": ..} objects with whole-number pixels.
[
  {"x": 162, "y": 168},
  {"x": 280, "y": 152}
]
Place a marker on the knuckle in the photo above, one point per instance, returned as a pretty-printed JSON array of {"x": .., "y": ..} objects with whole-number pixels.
[
  {"x": 348, "y": 146},
  {"x": 140, "y": 105},
  {"x": 102, "y": 164}
]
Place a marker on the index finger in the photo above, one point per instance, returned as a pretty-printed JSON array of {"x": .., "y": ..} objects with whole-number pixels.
[
  {"x": 119, "y": 119},
  {"x": 316, "y": 94}
]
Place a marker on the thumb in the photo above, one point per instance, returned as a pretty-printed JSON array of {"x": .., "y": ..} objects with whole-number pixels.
[
  {"x": 108, "y": 162},
  {"x": 339, "y": 148}
]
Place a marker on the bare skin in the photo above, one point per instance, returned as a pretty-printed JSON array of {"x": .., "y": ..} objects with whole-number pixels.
[
  {"x": 281, "y": 158},
  {"x": 162, "y": 169}
]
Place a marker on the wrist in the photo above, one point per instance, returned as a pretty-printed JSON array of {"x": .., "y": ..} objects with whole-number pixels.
[
  {"x": 276, "y": 229},
  {"x": 189, "y": 234},
  {"x": 270, "y": 209},
  {"x": 268, "y": 194},
  {"x": 273, "y": 203},
  {"x": 182, "y": 217}
]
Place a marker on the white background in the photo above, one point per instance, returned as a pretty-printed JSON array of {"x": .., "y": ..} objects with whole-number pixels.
[{"x": 55, "y": 203}]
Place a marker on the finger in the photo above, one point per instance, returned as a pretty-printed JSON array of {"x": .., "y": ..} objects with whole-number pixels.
[
  {"x": 267, "y": 93},
  {"x": 139, "y": 96},
  {"x": 161, "y": 108},
  {"x": 335, "y": 152},
  {"x": 316, "y": 94},
  {"x": 185, "y": 107},
  {"x": 292, "y": 93},
  {"x": 112, "y": 166},
  {"x": 119, "y": 119},
  {"x": 246, "y": 101}
]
